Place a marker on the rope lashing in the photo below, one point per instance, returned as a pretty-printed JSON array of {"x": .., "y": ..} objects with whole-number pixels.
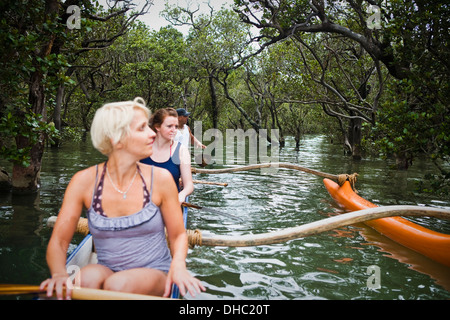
[
  {"x": 194, "y": 237},
  {"x": 348, "y": 177},
  {"x": 82, "y": 227}
]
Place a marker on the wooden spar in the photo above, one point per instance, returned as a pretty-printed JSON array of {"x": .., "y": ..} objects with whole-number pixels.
[
  {"x": 197, "y": 238},
  {"x": 224, "y": 184},
  {"x": 320, "y": 226},
  {"x": 265, "y": 165},
  {"x": 339, "y": 177},
  {"x": 212, "y": 210},
  {"x": 82, "y": 226}
]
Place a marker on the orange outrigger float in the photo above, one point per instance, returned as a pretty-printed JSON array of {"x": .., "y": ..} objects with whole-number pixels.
[{"x": 432, "y": 244}]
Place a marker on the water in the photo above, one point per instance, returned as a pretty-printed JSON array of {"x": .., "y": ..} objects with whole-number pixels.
[{"x": 333, "y": 265}]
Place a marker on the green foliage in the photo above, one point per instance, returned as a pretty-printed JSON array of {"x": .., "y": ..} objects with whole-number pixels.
[
  {"x": 26, "y": 125},
  {"x": 408, "y": 127},
  {"x": 24, "y": 30},
  {"x": 436, "y": 184},
  {"x": 286, "y": 86},
  {"x": 409, "y": 53}
]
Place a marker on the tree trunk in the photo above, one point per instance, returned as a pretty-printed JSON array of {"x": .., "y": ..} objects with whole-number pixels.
[
  {"x": 57, "y": 113},
  {"x": 403, "y": 160},
  {"x": 355, "y": 138},
  {"x": 5, "y": 180},
  {"x": 27, "y": 179},
  {"x": 215, "y": 112},
  {"x": 297, "y": 138}
]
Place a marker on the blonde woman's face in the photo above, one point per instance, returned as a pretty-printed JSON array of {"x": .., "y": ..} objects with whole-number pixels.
[{"x": 140, "y": 138}]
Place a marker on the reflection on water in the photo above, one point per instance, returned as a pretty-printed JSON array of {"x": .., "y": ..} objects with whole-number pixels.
[{"x": 332, "y": 265}]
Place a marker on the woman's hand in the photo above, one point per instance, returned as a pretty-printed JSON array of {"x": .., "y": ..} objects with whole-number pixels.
[
  {"x": 185, "y": 282},
  {"x": 57, "y": 283},
  {"x": 181, "y": 197}
]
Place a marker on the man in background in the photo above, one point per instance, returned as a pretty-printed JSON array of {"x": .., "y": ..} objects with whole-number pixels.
[{"x": 184, "y": 134}]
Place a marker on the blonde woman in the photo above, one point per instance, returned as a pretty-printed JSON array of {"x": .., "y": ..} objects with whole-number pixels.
[
  {"x": 128, "y": 206},
  {"x": 169, "y": 154}
]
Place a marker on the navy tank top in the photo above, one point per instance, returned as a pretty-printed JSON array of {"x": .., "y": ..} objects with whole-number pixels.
[
  {"x": 173, "y": 164},
  {"x": 134, "y": 241}
]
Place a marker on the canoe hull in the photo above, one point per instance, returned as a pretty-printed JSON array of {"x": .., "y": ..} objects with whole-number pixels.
[{"x": 430, "y": 243}]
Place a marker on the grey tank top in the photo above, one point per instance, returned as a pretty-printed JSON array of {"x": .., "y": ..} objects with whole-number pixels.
[{"x": 128, "y": 242}]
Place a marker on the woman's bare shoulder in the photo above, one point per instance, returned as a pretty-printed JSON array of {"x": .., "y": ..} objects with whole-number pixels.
[
  {"x": 160, "y": 175},
  {"x": 162, "y": 178},
  {"x": 88, "y": 172},
  {"x": 85, "y": 178}
]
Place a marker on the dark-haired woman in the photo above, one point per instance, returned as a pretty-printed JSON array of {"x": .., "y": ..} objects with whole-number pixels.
[{"x": 170, "y": 154}]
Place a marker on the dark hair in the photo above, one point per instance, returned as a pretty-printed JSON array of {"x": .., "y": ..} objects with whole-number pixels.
[{"x": 159, "y": 115}]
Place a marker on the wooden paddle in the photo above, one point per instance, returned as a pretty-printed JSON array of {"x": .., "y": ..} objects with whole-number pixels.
[
  {"x": 190, "y": 205},
  {"x": 78, "y": 293}
]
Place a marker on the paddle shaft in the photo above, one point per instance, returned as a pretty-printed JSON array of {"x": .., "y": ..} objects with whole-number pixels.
[
  {"x": 77, "y": 293},
  {"x": 190, "y": 205},
  {"x": 224, "y": 184},
  {"x": 320, "y": 226}
]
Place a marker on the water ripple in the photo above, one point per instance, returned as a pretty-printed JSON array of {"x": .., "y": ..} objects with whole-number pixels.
[{"x": 329, "y": 266}]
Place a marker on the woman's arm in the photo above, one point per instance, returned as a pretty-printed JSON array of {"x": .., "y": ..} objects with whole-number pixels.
[
  {"x": 186, "y": 174},
  {"x": 62, "y": 234},
  {"x": 166, "y": 198}
]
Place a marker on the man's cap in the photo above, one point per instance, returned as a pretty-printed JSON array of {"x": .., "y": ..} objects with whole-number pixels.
[{"x": 182, "y": 112}]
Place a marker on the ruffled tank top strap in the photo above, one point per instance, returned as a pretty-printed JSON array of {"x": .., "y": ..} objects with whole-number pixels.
[
  {"x": 147, "y": 195},
  {"x": 151, "y": 181},
  {"x": 95, "y": 183},
  {"x": 97, "y": 196}
]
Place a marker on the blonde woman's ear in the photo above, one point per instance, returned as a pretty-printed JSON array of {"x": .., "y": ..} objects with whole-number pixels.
[{"x": 118, "y": 145}]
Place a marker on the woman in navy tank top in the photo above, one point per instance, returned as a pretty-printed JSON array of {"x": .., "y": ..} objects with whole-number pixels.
[
  {"x": 170, "y": 154},
  {"x": 129, "y": 207}
]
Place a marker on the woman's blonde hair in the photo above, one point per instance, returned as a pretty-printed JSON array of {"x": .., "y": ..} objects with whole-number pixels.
[{"x": 112, "y": 121}]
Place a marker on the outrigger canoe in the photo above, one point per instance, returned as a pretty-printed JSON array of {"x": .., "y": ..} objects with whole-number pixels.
[
  {"x": 84, "y": 254},
  {"x": 432, "y": 244}
]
